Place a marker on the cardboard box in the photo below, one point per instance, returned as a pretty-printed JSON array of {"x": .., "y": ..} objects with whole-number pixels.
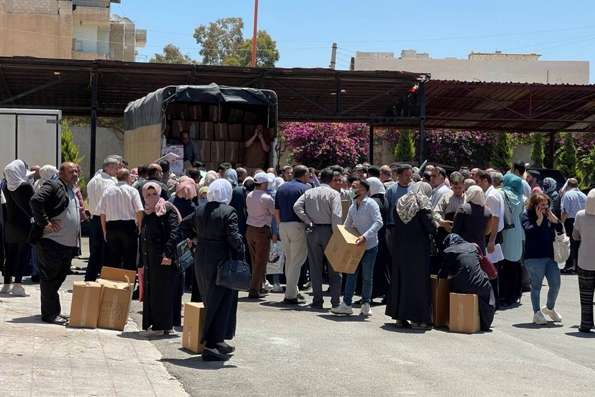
[
  {"x": 206, "y": 131},
  {"x": 464, "y": 313},
  {"x": 235, "y": 132},
  {"x": 217, "y": 152},
  {"x": 116, "y": 274},
  {"x": 232, "y": 152},
  {"x": 115, "y": 304},
  {"x": 221, "y": 132},
  {"x": 194, "y": 320},
  {"x": 440, "y": 301},
  {"x": 86, "y": 301},
  {"x": 203, "y": 150},
  {"x": 342, "y": 252}
]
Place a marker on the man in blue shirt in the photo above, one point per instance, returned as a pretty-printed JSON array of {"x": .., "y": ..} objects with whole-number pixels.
[
  {"x": 393, "y": 194},
  {"x": 572, "y": 202},
  {"x": 292, "y": 231},
  {"x": 364, "y": 220}
]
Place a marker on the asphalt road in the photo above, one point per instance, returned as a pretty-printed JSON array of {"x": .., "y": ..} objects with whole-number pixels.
[{"x": 283, "y": 351}]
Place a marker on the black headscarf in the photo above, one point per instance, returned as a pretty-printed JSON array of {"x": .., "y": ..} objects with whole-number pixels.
[{"x": 455, "y": 244}]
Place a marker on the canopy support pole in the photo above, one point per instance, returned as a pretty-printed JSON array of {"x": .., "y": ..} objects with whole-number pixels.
[
  {"x": 93, "y": 146},
  {"x": 421, "y": 94},
  {"x": 371, "y": 146}
]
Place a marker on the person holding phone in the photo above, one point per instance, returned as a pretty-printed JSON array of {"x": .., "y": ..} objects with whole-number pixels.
[{"x": 540, "y": 225}]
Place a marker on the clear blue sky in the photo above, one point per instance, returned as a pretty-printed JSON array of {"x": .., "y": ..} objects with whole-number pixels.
[{"x": 305, "y": 29}]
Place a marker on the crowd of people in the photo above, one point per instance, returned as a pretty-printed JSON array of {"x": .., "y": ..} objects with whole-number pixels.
[{"x": 413, "y": 223}]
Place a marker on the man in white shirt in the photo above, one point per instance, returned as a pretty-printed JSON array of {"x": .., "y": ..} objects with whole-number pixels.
[
  {"x": 121, "y": 212},
  {"x": 95, "y": 189},
  {"x": 439, "y": 185}
]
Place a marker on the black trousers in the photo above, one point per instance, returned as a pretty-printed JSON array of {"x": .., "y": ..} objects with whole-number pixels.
[
  {"x": 54, "y": 264},
  {"x": 510, "y": 275},
  {"x": 586, "y": 286},
  {"x": 17, "y": 256},
  {"x": 574, "y": 245},
  {"x": 96, "y": 249},
  {"x": 122, "y": 244}
]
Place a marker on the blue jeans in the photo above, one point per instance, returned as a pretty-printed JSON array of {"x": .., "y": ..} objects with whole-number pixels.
[
  {"x": 538, "y": 268},
  {"x": 366, "y": 266}
]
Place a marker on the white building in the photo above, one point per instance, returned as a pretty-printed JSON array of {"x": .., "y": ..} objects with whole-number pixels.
[{"x": 493, "y": 67}]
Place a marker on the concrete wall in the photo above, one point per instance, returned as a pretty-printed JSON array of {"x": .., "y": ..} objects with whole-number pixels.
[
  {"x": 109, "y": 141},
  {"x": 481, "y": 67}
]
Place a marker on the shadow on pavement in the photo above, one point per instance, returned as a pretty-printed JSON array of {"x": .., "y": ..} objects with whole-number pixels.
[
  {"x": 578, "y": 334},
  {"x": 537, "y": 326},
  {"x": 197, "y": 363},
  {"x": 140, "y": 336},
  {"x": 393, "y": 328},
  {"x": 36, "y": 319},
  {"x": 343, "y": 318},
  {"x": 282, "y": 306}
]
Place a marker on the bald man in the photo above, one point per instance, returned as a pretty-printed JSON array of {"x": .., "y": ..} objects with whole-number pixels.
[{"x": 57, "y": 229}]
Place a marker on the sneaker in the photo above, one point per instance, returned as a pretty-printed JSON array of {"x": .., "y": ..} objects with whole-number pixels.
[
  {"x": 366, "y": 311},
  {"x": 5, "y": 289},
  {"x": 225, "y": 348},
  {"x": 539, "y": 319},
  {"x": 552, "y": 313},
  {"x": 18, "y": 290},
  {"x": 342, "y": 309},
  {"x": 277, "y": 288},
  {"x": 268, "y": 286}
]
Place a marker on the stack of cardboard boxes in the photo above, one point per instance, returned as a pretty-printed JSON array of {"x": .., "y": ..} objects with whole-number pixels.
[
  {"x": 458, "y": 312},
  {"x": 104, "y": 303}
]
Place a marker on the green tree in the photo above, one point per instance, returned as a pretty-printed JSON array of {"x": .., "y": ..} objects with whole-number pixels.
[
  {"x": 566, "y": 156},
  {"x": 220, "y": 40},
  {"x": 70, "y": 151},
  {"x": 586, "y": 169},
  {"x": 222, "y": 43},
  {"x": 405, "y": 149},
  {"x": 502, "y": 157},
  {"x": 266, "y": 51},
  {"x": 538, "y": 152},
  {"x": 171, "y": 54}
]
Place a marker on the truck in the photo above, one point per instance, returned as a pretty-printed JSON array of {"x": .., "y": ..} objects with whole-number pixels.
[
  {"x": 31, "y": 135},
  {"x": 220, "y": 121}
]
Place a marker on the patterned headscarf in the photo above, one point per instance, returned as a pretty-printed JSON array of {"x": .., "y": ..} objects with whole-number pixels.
[
  {"x": 416, "y": 200},
  {"x": 549, "y": 185}
]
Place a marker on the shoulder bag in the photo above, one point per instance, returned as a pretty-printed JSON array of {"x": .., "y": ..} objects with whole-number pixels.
[{"x": 234, "y": 274}]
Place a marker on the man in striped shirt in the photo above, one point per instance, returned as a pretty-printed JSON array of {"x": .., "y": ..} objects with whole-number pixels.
[{"x": 121, "y": 212}]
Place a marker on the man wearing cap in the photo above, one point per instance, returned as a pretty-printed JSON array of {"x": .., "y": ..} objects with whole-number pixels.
[
  {"x": 320, "y": 209},
  {"x": 572, "y": 202},
  {"x": 261, "y": 209}
]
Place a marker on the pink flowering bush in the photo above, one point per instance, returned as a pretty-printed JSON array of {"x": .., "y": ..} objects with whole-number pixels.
[
  {"x": 460, "y": 147},
  {"x": 322, "y": 144}
]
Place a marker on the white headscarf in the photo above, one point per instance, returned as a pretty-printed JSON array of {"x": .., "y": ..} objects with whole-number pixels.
[
  {"x": 16, "y": 174},
  {"x": 220, "y": 191},
  {"x": 376, "y": 186},
  {"x": 46, "y": 173},
  {"x": 475, "y": 195},
  {"x": 590, "y": 208}
]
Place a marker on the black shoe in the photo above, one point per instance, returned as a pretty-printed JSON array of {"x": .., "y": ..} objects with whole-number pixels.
[
  {"x": 135, "y": 294},
  {"x": 224, "y": 348},
  {"x": 213, "y": 355},
  {"x": 255, "y": 295},
  {"x": 301, "y": 298},
  {"x": 58, "y": 320},
  {"x": 316, "y": 305},
  {"x": 291, "y": 301},
  {"x": 402, "y": 324},
  {"x": 585, "y": 330}
]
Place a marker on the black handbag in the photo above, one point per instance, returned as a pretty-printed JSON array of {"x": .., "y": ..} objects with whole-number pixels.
[
  {"x": 185, "y": 256},
  {"x": 234, "y": 274}
]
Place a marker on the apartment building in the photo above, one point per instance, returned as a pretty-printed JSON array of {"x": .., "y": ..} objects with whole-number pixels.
[
  {"x": 493, "y": 67},
  {"x": 67, "y": 29}
]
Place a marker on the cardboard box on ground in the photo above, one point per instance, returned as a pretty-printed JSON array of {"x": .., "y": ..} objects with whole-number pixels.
[
  {"x": 105, "y": 303},
  {"x": 440, "y": 301},
  {"x": 342, "y": 252},
  {"x": 464, "y": 313},
  {"x": 194, "y": 320}
]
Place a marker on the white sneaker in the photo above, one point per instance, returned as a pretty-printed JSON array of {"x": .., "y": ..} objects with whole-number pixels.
[
  {"x": 277, "y": 288},
  {"x": 553, "y": 314},
  {"x": 5, "y": 289},
  {"x": 268, "y": 286},
  {"x": 18, "y": 290},
  {"x": 342, "y": 309},
  {"x": 539, "y": 319},
  {"x": 366, "y": 311}
]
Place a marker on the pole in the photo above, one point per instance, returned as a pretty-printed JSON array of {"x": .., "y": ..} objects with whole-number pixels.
[
  {"x": 333, "y": 56},
  {"x": 371, "y": 146},
  {"x": 93, "y": 145},
  {"x": 255, "y": 32},
  {"x": 551, "y": 154},
  {"x": 421, "y": 95}
]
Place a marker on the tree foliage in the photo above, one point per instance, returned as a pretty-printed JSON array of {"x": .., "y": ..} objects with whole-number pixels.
[
  {"x": 586, "y": 169},
  {"x": 222, "y": 43},
  {"x": 323, "y": 144},
  {"x": 566, "y": 159},
  {"x": 538, "y": 151},
  {"x": 172, "y": 55},
  {"x": 70, "y": 151},
  {"x": 405, "y": 149},
  {"x": 502, "y": 157}
]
